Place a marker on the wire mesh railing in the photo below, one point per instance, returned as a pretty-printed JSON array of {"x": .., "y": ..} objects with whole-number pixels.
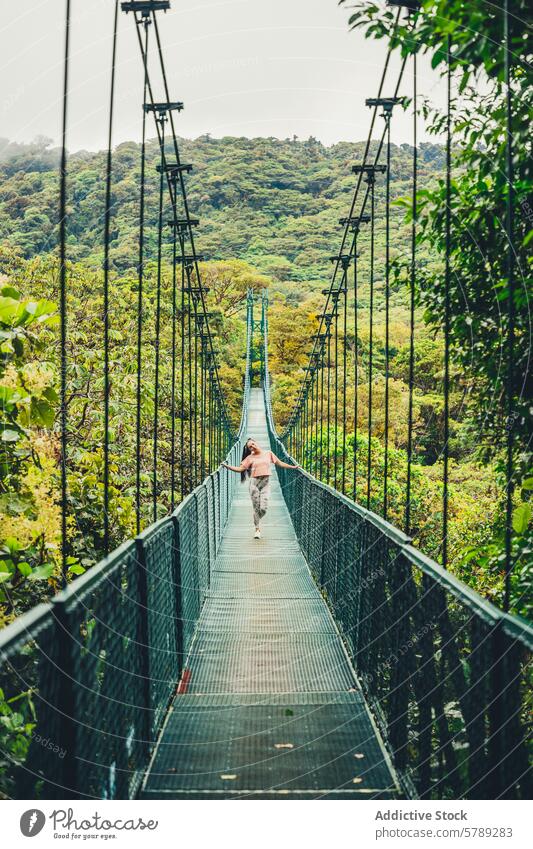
[
  {"x": 86, "y": 680},
  {"x": 445, "y": 673}
]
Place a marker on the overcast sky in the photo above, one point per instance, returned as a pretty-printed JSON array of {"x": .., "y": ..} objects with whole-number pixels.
[{"x": 242, "y": 67}]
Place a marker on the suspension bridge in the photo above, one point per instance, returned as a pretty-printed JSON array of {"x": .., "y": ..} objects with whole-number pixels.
[{"x": 330, "y": 659}]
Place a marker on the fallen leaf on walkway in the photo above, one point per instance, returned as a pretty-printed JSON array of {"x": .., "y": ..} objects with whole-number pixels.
[
  {"x": 283, "y": 746},
  {"x": 289, "y": 712},
  {"x": 359, "y": 755},
  {"x": 357, "y": 781},
  {"x": 228, "y": 777}
]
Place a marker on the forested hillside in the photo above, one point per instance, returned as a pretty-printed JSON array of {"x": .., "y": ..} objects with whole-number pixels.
[{"x": 275, "y": 204}]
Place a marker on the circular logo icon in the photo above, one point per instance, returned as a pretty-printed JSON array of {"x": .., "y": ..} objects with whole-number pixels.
[{"x": 32, "y": 822}]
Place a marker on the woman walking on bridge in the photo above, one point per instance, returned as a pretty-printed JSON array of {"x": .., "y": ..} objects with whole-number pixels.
[{"x": 255, "y": 463}]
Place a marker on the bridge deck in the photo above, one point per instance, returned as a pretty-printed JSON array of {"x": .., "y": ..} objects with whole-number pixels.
[{"x": 272, "y": 708}]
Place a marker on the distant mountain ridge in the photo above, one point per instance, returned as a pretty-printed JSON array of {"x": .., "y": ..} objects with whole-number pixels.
[{"x": 275, "y": 203}]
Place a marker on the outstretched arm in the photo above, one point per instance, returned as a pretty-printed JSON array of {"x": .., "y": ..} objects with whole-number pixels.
[
  {"x": 285, "y": 465},
  {"x": 233, "y": 468}
]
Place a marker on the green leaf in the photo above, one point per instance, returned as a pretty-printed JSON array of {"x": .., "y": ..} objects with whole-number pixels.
[
  {"x": 8, "y": 395},
  {"x": 42, "y": 309},
  {"x": 41, "y": 412},
  {"x": 9, "y": 435},
  {"x": 77, "y": 569},
  {"x": 51, "y": 395},
  {"x": 4, "y": 576},
  {"x": 24, "y": 568},
  {"x": 42, "y": 573},
  {"x": 521, "y": 518},
  {"x": 9, "y": 309},
  {"x": 14, "y": 504},
  {"x": 527, "y": 484},
  {"x": 11, "y": 545},
  {"x": 10, "y": 292}
]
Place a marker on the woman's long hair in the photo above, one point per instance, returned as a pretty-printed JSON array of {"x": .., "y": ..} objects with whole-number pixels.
[{"x": 245, "y": 453}]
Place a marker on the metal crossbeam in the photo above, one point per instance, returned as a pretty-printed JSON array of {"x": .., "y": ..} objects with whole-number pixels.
[
  {"x": 344, "y": 259},
  {"x": 410, "y": 5},
  {"x": 369, "y": 169},
  {"x": 174, "y": 168},
  {"x": 183, "y": 223},
  {"x": 354, "y": 222},
  {"x": 190, "y": 259},
  {"x": 145, "y": 7},
  {"x": 164, "y": 107}
]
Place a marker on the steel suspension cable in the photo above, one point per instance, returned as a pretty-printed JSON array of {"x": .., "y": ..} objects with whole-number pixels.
[
  {"x": 355, "y": 365},
  {"x": 157, "y": 339},
  {"x": 344, "y": 377},
  {"x": 63, "y": 299},
  {"x": 328, "y": 326},
  {"x": 210, "y": 461},
  {"x": 510, "y": 270},
  {"x": 447, "y": 312},
  {"x": 304, "y": 430},
  {"x": 387, "y": 318},
  {"x": 192, "y": 407},
  {"x": 107, "y": 223},
  {"x": 140, "y": 284},
  {"x": 336, "y": 403},
  {"x": 173, "y": 364},
  {"x": 323, "y": 366},
  {"x": 305, "y": 424},
  {"x": 202, "y": 401},
  {"x": 370, "y": 340},
  {"x": 196, "y": 457},
  {"x": 313, "y": 423},
  {"x": 317, "y": 421},
  {"x": 209, "y": 421},
  {"x": 412, "y": 292}
]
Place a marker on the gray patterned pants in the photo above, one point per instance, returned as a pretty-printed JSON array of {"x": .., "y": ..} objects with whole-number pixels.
[{"x": 259, "y": 492}]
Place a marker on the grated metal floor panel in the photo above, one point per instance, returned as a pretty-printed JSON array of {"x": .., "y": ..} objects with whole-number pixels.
[
  {"x": 259, "y": 663},
  {"x": 256, "y": 584},
  {"x": 271, "y": 709},
  {"x": 285, "y": 616},
  {"x": 318, "y": 748}
]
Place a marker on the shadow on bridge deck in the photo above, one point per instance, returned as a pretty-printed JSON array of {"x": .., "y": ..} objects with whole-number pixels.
[{"x": 269, "y": 706}]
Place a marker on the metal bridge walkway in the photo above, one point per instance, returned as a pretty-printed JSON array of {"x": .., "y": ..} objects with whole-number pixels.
[{"x": 268, "y": 706}]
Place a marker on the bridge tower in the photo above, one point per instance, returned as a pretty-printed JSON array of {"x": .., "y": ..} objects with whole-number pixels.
[{"x": 257, "y": 348}]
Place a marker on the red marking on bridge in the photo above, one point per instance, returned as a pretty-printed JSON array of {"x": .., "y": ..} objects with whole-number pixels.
[{"x": 184, "y": 683}]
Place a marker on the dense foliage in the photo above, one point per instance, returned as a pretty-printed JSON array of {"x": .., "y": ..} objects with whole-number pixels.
[{"x": 272, "y": 203}]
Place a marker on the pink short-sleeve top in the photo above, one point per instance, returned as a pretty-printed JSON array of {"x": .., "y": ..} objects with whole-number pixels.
[{"x": 259, "y": 463}]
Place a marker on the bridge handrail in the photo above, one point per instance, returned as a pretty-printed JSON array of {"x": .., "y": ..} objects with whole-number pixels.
[{"x": 443, "y": 669}]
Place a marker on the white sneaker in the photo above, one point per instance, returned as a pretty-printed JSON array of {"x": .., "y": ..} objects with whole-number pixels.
[{"x": 257, "y": 534}]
